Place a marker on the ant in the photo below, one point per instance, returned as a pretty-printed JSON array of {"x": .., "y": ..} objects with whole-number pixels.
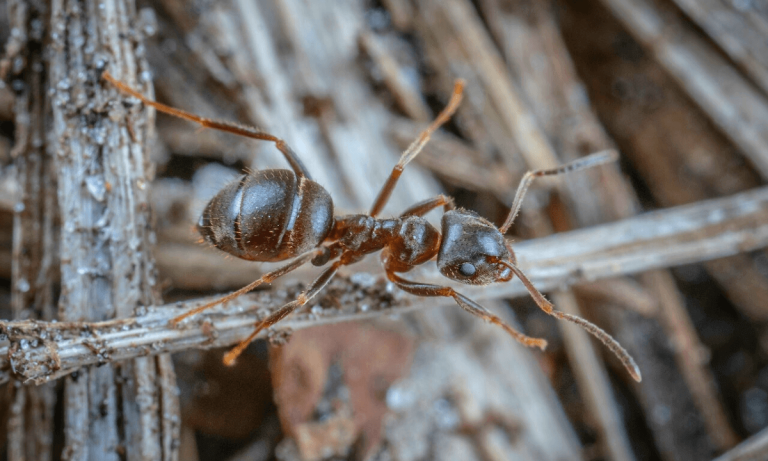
[{"x": 275, "y": 215}]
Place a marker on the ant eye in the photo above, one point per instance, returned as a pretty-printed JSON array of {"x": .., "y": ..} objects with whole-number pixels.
[{"x": 467, "y": 269}]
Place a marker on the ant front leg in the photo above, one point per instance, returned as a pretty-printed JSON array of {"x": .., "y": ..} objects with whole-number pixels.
[
  {"x": 425, "y": 289},
  {"x": 413, "y": 150},
  {"x": 422, "y": 208}
]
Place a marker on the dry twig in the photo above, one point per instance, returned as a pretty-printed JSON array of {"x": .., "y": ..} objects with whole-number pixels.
[
  {"x": 754, "y": 448},
  {"x": 726, "y": 96},
  {"x": 681, "y": 235}
]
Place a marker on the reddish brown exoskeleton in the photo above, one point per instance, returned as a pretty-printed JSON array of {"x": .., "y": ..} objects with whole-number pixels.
[{"x": 275, "y": 215}]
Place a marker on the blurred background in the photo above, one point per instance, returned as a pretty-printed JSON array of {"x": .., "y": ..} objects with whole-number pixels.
[{"x": 678, "y": 87}]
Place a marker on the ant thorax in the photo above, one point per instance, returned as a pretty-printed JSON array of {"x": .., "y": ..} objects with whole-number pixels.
[{"x": 406, "y": 242}]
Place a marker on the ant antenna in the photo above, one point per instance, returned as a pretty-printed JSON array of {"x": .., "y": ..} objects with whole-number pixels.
[
  {"x": 598, "y": 158},
  {"x": 594, "y": 330}
]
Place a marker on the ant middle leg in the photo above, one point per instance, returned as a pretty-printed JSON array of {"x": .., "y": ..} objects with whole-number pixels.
[
  {"x": 591, "y": 160},
  {"x": 266, "y": 278},
  {"x": 243, "y": 130},
  {"x": 413, "y": 150},
  {"x": 316, "y": 286},
  {"x": 422, "y": 208},
  {"x": 425, "y": 289}
]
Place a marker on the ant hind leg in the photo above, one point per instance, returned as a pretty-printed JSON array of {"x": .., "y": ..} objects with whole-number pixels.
[
  {"x": 320, "y": 282},
  {"x": 234, "y": 128},
  {"x": 266, "y": 278}
]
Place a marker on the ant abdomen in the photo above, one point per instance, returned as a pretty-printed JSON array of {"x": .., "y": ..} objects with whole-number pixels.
[{"x": 268, "y": 215}]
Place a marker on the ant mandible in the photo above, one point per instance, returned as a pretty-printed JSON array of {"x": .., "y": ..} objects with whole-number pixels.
[{"x": 283, "y": 214}]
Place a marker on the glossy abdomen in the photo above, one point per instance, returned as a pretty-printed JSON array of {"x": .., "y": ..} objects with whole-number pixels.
[{"x": 268, "y": 215}]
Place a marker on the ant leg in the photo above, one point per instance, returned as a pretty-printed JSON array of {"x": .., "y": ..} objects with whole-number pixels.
[
  {"x": 591, "y": 160},
  {"x": 594, "y": 330},
  {"x": 413, "y": 150},
  {"x": 422, "y": 208},
  {"x": 242, "y": 130},
  {"x": 319, "y": 283},
  {"x": 425, "y": 289},
  {"x": 266, "y": 278}
]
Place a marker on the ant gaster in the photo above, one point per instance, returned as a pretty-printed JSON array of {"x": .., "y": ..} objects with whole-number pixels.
[{"x": 275, "y": 215}]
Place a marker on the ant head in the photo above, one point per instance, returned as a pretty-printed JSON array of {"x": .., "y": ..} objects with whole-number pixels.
[{"x": 471, "y": 250}]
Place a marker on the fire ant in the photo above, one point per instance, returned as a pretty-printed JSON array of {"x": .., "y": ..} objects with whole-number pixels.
[{"x": 275, "y": 215}]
